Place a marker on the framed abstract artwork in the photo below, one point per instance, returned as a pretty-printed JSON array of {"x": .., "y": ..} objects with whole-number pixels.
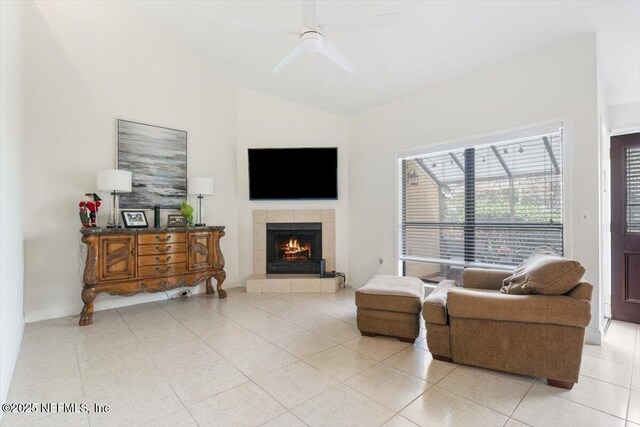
[{"x": 157, "y": 159}]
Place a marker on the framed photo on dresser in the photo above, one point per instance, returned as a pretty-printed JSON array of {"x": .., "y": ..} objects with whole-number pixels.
[
  {"x": 176, "y": 220},
  {"x": 134, "y": 219}
]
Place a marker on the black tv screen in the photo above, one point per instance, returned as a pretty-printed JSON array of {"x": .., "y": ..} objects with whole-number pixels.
[{"x": 293, "y": 173}]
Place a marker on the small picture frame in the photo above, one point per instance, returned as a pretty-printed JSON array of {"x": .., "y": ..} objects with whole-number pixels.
[
  {"x": 134, "y": 219},
  {"x": 176, "y": 220}
]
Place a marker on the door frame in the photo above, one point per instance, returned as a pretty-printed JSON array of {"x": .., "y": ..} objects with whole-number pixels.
[{"x": 618, "y": 223}]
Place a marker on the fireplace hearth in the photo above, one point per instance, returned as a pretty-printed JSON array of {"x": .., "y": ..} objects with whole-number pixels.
[{"x": 294, "y": 248}]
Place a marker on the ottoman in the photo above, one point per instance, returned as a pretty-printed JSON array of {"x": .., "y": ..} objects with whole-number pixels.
[{"x": 390, "y": 305}]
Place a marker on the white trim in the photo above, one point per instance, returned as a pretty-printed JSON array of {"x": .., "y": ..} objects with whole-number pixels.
[
  {"x": 12, "y": 356},
  {"x": 567, "y": 223},
  {"x": 624, "y": 131},
  {"x": 511, "y": 134},
  {"x": 594, "y": 336},
  {"x": 398, "y": 187},
  {"x": 109, "y": 304},
  {"x": 515, "y": 133}
]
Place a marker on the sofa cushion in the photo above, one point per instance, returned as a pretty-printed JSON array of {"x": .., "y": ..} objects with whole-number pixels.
[
  {"x": 391, "y": 293},
  {"x": 545, "y": 272},
  {"x": 435, "y": 305}
]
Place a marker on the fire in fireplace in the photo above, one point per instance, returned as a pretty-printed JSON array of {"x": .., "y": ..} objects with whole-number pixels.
[
  {"x": 294, "y": 248},
  {"x": 294, "y": 251}
]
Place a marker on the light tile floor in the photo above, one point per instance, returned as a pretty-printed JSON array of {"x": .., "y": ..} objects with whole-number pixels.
[{"x": 294, "y": 360}]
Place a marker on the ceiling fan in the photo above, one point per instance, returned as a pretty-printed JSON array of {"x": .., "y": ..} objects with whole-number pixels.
[{"x": 313, "y": 35}]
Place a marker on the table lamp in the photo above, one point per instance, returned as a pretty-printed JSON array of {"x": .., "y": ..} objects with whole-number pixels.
[
  {"x": 113, "y": 181},
  {"x": 200, "y": 186}
]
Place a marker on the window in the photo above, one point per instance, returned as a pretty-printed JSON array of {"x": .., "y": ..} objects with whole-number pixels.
[
  {"x": 489, "y": 204},
  {"x": 632, "y": 189}
]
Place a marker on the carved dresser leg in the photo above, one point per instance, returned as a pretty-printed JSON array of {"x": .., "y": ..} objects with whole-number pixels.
[
  {"x": 210, "y": 290},
  {"x": 220, "y": 276},
  {"x": 86, "y": 315}
]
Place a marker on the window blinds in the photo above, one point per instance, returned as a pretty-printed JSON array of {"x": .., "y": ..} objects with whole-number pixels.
[
  {"x": 489, "y": 204},
  {"x": 632, "y": 189}
]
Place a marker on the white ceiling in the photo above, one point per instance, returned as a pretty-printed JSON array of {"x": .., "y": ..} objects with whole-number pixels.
[{"x": 433, "y": 43}]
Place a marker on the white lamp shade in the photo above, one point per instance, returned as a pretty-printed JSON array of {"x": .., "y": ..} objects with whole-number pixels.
[
  {"x": 200, "y": 185},
  {"x": 113, "y": 180}
]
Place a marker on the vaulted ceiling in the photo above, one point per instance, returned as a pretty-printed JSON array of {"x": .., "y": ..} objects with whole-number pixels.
[{"x": 434, "y": 42}]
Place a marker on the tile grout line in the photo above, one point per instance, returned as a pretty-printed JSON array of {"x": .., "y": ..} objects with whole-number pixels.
[
  {"x": 156, "y": 366},
  {"x": 431, "y": 385},
  {"x": 521, "y": 400},
  {"x": 206, "y": 344},
  {"x": 339, "y": 382},
  {"x": 84, "y": 394},
  {"x": 589, "y": 407},
  {"x": 608, "y": 382},
  {"x": 287, "y": 410},
  {"x": 343, "y": 382},
  {"x": 249, "y": 379},
  {"x": 633, "y": 367}
]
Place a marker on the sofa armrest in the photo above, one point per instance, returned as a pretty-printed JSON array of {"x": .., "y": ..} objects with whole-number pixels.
[
  {"x": 549, "y": 309},
  {"x": 484, "y": 278},
  {"x": 435, "y": 304},
  {"x": 583, "y": 290}
]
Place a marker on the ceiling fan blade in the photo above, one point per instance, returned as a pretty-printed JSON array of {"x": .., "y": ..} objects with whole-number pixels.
[
  {"x": 330, "y": 50},
  {"x": 310, "y": 13},
  {"x": 360, "y": 24},
  {"x": 258, "y": 27},
  {"x": 283, "y": 63}
]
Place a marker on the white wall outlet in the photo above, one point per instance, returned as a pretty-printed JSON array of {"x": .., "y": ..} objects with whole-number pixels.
[
  {"x": 586, "y": 217},
  {"x": 380, "y": 261}
]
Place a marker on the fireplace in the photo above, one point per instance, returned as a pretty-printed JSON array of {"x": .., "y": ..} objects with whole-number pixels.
[{"x": 294, "y": 248}]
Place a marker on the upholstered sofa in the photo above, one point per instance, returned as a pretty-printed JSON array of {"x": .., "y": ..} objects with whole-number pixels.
[{"x": 537, "y": 335}]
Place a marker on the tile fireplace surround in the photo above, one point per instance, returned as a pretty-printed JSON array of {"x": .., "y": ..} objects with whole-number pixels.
[{"x": 260, "y": 282}]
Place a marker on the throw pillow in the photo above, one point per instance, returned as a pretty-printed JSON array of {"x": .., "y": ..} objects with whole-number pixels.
[{"x": 545, "y": 272}]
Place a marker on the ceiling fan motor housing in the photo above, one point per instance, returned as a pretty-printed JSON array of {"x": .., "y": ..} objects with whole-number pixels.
[{"x": 312, "y": 40}]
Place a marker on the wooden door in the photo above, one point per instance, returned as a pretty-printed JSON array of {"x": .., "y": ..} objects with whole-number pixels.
[
  {"x": 117, "y": 257},
  {"x": 625, "y": 228},
  {"x": 200, "y": 251}
]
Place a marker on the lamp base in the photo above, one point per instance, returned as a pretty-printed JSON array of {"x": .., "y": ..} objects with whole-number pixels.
[
  {"x": 114, "y": 226},
  {"x": 200, "y": 225}
]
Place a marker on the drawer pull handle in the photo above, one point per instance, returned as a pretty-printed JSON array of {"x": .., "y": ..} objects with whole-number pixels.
[
  {"x": 167, "y": 249},
  {"x": 160, "y": 270},
  {"x": 163, "y": 260},
  {"x": 163, "y": 240}
]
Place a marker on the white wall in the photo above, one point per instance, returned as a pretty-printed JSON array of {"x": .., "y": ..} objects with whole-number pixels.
[
  {"x": 12, "y": 138},
  {"x": 624, "y": 118},
  {"x": 80, "y": 80},
  {"x": 559, "y": 83},
  {"x": 604, "y": 174},
  {"x": 266, "y": 121},
  {"x": 82, "y": 77}
]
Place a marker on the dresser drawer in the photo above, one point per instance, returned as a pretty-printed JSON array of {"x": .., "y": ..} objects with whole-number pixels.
[
  {"x": 147, "y": 239},
  {"x": 161, "y": 259},
  {"x": 161, "y": 270},
  {"x": 161, "y": 248}
]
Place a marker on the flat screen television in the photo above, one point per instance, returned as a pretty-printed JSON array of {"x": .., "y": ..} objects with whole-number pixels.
[{"x": 293, "y": 173}]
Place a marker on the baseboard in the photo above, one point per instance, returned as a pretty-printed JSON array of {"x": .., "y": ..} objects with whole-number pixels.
[
  {"x": 594, "y": 336},
  {"x": 107, "y": 302},
  {"x": 12, "y": 355}
]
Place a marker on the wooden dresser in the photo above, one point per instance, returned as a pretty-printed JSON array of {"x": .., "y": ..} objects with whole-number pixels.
[{"x": 128, "y": 261}]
